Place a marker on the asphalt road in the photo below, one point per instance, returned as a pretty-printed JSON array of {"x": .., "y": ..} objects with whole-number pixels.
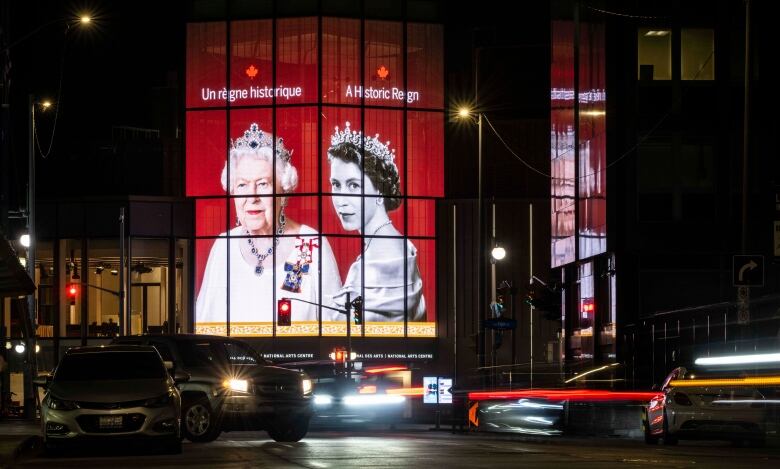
[{"x": 418, "y": 448}]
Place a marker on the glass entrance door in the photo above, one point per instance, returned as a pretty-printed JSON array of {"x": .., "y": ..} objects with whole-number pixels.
[{"x": 147, "y": 315}]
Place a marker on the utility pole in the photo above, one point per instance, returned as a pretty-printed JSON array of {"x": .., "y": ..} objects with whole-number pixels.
[{"x": 31, "y": 367}]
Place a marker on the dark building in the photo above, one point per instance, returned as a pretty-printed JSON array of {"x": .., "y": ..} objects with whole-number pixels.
[
  {"x": 678, "y": 210},
  {"x": 602, "y": 152}
]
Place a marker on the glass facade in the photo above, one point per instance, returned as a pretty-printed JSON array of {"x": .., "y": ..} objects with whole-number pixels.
[{"x": 314, "y": 154}]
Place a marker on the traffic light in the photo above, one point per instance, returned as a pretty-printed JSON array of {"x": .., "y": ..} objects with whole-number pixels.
[
  {"x": 72, "y": 292},
  {"x": 284, "y": 312},
  {"x": 338, "y": 355},
  {"x": 545, "y": 301},
  {"x": 357, "y": 310}
]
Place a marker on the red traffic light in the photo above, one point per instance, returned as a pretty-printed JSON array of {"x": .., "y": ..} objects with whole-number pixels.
[
  {"x": 284, "y": 312},
  {"x": 73, "y": 292}
]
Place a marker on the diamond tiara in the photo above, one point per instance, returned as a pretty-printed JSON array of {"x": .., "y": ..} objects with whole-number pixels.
[
  {"x": 254, "y": 139},
  {"x": 372, "y": 144}
]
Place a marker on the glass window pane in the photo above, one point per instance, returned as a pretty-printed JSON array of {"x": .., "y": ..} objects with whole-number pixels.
[
  {"x": 296, "y": 60},
  {"x": 206, "y": 150},
  {"x": 422, "y": 217},
  {"x": 206, "y": 64},
  {"x": 425, "y": 66},
  {"x": 340, "y": 61},
  {"x": 425, "y": 133},
  {"x": 47, "y": 290},
  {"x": 211, "y": 217},
  {"x": 71, "y": 303},
  {"x": 210, "y": 286},
  {"x": 421, "y": 287},
  {"x": 384, "y": 64},
  {"x": 655, "y": 54},
  {"x": 251, "y": 74},
  {"x": 697, "y": 54},
  {"x": 346, "y": 250},
  {"x": 103, "y": 304},
  {"x": 297, "y": 126}
]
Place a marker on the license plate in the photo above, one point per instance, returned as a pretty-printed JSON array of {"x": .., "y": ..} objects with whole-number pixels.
[{"x": 110, "y": 421}]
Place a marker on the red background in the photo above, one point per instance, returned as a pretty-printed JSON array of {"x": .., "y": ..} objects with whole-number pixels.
[{"x": 207, "y": 133}]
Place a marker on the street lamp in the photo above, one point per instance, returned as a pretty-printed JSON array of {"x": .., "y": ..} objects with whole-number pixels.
[
  {"x": 498, "y": 253},
  {"x": 465, "y": 112}
]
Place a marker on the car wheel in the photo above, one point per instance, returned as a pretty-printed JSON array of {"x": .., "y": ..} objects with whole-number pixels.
[
  {"x": 199, "y": 421},
  {"x": 286, "y": 430},
  {"x": 669, "y": 439}
]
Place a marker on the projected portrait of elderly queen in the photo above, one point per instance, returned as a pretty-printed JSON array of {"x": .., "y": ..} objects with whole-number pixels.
[
  {"x": 388, "y": 263},
  {"x": 253, "y": 245}
]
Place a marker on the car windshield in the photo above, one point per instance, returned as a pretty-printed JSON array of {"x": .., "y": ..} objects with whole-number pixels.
[{"x": 110, "y": 365}]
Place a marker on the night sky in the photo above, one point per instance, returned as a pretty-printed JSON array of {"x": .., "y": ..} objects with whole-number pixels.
[{"x": 126, "y": 69}]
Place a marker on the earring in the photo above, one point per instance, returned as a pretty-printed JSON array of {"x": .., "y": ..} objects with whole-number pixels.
[
  {"x": 379, "y": 201},
  {"x": 282, "y": 217}
]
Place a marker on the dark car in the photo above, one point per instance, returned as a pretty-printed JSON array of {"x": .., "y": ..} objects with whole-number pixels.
[
  {"x": 232, "y": 388},
  {"x": 111, "y": 393}
]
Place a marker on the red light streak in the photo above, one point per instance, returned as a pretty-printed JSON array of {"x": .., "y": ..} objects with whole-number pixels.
[
  {"x": 385, "y": 369},
  {"x": 584, "y": 395}
]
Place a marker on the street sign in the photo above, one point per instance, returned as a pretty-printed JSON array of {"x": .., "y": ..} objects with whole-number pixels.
[
  {"x": 501, "y": 324},
  {"x": 748, "y": 271}
]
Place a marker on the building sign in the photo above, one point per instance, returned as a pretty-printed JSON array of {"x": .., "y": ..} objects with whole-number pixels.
[{"x": 319, "y": 198}]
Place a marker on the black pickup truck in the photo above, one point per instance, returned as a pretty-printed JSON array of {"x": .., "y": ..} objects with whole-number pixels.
[{"x": 232, "y": 388}]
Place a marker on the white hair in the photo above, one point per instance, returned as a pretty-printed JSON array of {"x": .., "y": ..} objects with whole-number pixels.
[{"x": 286, "y": 173}]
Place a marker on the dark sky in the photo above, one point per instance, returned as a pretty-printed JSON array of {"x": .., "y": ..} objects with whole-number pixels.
[
  {"x": 109, "y": 67},
  {"x": 124, "y": 69}
]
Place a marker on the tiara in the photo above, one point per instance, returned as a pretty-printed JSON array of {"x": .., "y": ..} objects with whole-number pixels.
[
  {"x": 254, "y": 139},
  {"x": 372, "y": 144}
]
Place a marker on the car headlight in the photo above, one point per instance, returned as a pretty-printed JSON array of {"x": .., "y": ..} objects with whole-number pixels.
[
  {"x": 306, "y": 385},
  {"x": 159, "y": 401},
  {"x": 236, "y": 384},
  {"x": 61, "y": 404},
  {"x": 323, "y": 399}
]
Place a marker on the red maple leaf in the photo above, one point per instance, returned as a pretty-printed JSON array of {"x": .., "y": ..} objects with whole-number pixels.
[
  {"x": 382, "y": 72},
  {"x": 251, "y": 72}
]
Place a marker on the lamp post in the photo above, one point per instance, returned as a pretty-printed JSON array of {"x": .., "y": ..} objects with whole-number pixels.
[
  {"x": 467, "y": 113},
  {"x": 31, "y": 368}
]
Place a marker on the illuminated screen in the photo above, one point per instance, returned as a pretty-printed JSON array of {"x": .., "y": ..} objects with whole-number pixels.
[
  {"x": 315, "y": 180},
  {"x": 592, "y": 210},
  {"x": 562, "y": 185}
]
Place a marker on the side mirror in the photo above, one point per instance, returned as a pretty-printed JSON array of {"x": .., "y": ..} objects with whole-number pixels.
[
  {"x": 181, "y": 376},
  {"x": 42, "y": 381},
  {"x": 169, "y": 365}
]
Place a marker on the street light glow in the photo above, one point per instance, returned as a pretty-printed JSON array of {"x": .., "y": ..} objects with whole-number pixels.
[
  {"x": 498, "y": 253},
  {"x": 24, "y": 240},
  {"x": 464, "y": 112},
  {"x": 46, "y": 104},
  {"x": 85, "y": 19}
]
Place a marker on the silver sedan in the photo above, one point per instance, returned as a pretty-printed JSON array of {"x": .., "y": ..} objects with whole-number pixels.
[{"x": 111, "y": 393}]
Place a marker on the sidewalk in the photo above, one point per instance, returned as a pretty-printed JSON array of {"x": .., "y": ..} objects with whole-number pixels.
[{"x": 16, "y": 438}]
